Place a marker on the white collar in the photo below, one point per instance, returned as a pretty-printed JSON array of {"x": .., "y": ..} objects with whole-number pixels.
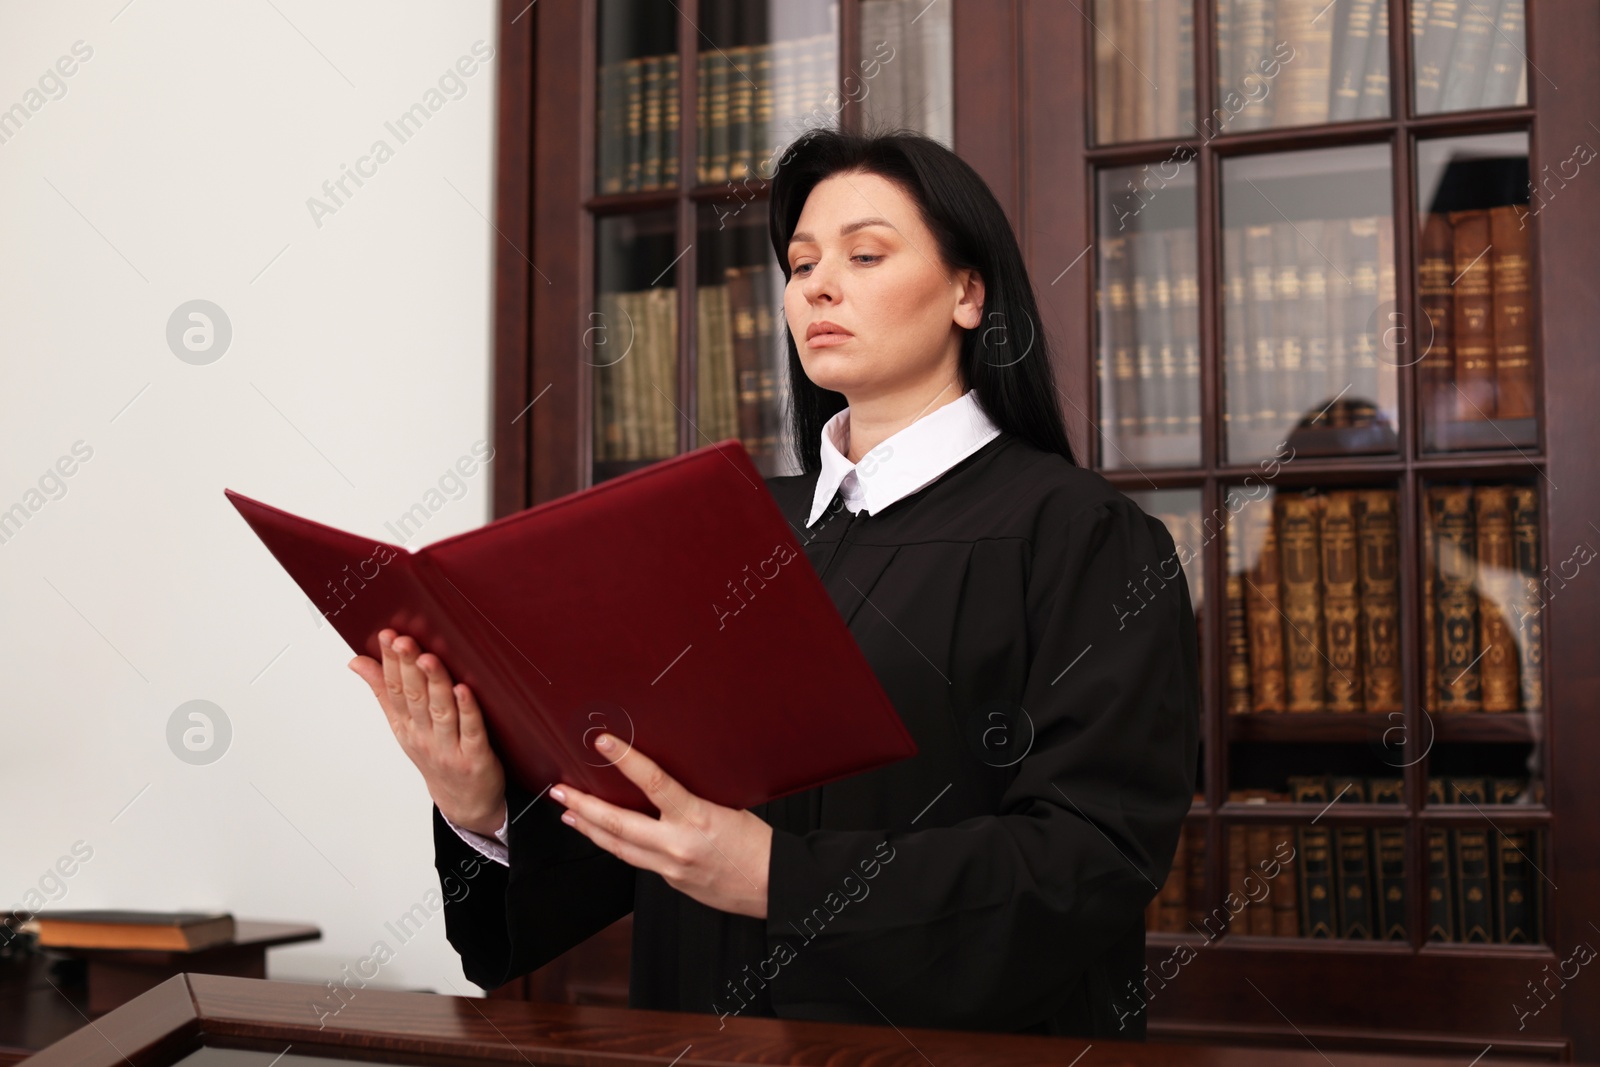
[{"x": 905, "y": 462}]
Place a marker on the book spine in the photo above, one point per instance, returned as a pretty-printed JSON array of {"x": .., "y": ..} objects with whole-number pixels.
[
  {"x": 1436, "y": 369},
  {"x": 1341, "y": 605},
  {"x": 610, "y": 123},
  {"x": 633, "y": 172},
  {"x": 1316, "y": 863},
  {"x": 1258, "y": 850},
  {"x": 1288, "y": 315},
  {"x": 1142, "y": 253},
  {"x": 1124, "y": 331},
  {"x": 1441, "y": 888},
  {"x": 1433, "y": 53},
  {"x": 1530, "y": 604},
  {"x": 1389, "y": 856},
  {"x": 1186, "y": 329},
  {"x": 702, "y": 116},
  {"x": 764, "y": 110},
  {"x": 1474, "y": 909},
  {"x": 1459, "y": 684},
  {"x": 1105, "y": 73},
  {"x": 669, "y": 119},
  {"x": 1238, "y": 868},
  {"x": 741, "y": 112},
  {"x": 1463, "y": 84},
  {"x": 1238, "y": 630},
  {"x": 1515, "y": 881},
  {"x": 1378, "y": 535},
  {"x": 1375, "y": 82},
  {"x": 1302, "y": 604},
  {"x": 1353, "y": 866},
  {"x": 1431, "y": 638},
  {"x": 717, "y": 115},
  {"x": 1513, "y": 363},
  {"x": 1304, "y": 82},
  {"x": 1503, "y": 78},
  {"x": 1238, "y": 416},
  {"x": 1259, "y": 384},
  {"x": 1365, "y": 252},
  {"x": 1264, "y": 611},
  {"x": 1353, "y": 32},
  {"x": 650, "y": 152},
  {"x": 1473, "y": 331},
  {"x": 1496, "y": 588},
  {"x": 1286, "y": 897},
  {"x": 1253, "y": 40},
  {"x": 1312, "y": 389}
]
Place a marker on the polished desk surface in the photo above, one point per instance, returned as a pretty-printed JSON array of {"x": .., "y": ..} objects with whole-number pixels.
[{"x": 191, "y": 1010}]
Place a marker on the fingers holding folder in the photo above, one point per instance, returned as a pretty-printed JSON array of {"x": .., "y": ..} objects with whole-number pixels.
[{"x": 440, "y": 728}]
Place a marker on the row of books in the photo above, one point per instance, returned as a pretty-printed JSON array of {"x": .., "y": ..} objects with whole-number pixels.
[
  {"x": 1472, "y": 271},
  {"x": 1344, "y": 881},
  {"x": 1484, "y": 589},
  {"x": 1469, "y": 54},
  {"x": 1149, "y": 301},
  {"x": 1338, "y": 68},
  {"x": 1313, "y": 603},
  {"x": 1301, "y": 319},
  {"x": 747, "y": 98},
  {"x": 635, "y": 369},
  {"x": 1144, "y": 69}
]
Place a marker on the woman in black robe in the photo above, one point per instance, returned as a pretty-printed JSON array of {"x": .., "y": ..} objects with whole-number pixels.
[{"x": 1029, "y": 622}]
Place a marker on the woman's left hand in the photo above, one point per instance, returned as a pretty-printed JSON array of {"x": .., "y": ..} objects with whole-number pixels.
[{"x": 716, "y": 855}]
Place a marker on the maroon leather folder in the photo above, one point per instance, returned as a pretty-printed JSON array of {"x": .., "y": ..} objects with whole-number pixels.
[{"x": 671, "y": 606}]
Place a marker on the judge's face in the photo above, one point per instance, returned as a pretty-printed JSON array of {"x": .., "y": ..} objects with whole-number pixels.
[{"x": 863, "y": 260}]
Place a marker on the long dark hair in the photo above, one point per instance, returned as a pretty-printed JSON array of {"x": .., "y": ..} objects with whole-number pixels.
[{"x": 1018, "y": 391}]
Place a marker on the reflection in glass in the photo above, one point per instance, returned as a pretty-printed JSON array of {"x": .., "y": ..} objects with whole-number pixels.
[
  {"x": 1311, "y": 336},
  {"x": 1179, "y": 509},
  {"x": 631, "y": 342},
  {"x": 741, "y": 381},
  {"x": 904, "y": 77},
  {"x": 1300, "y": 63},
  {"x": 1143, "y": 69},
  {"x": 765, "y": 73},
  {"x": 636, "y": 120},
  {"x": 1469, "y": 55},
  {"x": 1148, "y": 314},
  {"x": 1477, "y": 369}
]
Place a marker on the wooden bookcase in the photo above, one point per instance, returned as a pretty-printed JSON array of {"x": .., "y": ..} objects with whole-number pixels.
[{"x": 1024, "y": 110}]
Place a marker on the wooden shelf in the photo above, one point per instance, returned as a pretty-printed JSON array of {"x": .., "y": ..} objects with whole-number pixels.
[{"x": 1359, "y": 728}]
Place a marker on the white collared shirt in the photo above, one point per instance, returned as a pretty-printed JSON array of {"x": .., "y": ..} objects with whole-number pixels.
[{"x": 905, "y": 462}]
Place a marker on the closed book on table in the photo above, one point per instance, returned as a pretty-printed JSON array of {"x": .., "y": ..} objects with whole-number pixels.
[
  {"x": 160, "y": 931},
  {"x": 671, "y": 606}
]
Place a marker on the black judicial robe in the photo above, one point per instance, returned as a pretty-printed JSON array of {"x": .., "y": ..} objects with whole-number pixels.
[{"x": 1034, "y": 630}]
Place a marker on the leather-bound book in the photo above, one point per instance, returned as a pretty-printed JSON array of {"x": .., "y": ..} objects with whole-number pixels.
[
  {"x": 1238, "y": 868},
  {"x": 1436, "y": 367},
  {"x": 1378, "y": 546},
  {"x": 1502, "y": 81},
  {"x": 1142, "y": 257},
  {"x": 1352, "y": 32},
  {"x": 1302, "y": 87},
  {"x": 1441, "y": 886},
  {"x": 1375, "y": 85},
  {"x": 1186, "y": 330},
  {"x": 157, "y": 931},
  {"x": 1253, "y": 37},
  {"x": 1353, "y": 865},
  {"x": 1463, "y": 86},
  {"x": 1341, "y": 604},
  {"x": 1239, "y": 411},
  {"x": 1263, "y": 599},
  {"x": 1497, "y": 592},
  {"x": 1285, "y": 893},
  {"x": 1289, "y": 312},
  {"x": 1513, "y": 350},
  {"x": 1258, "y": 851},
  {"x": 1364, "y": 252},
  {"x": 1430, "y": 614},
  {"x": 1433, "y": 52},
  {"x": 1264, "y": 323},
  {"x": 1472, "y": 333},
  {"x": 1238, "y": 628},
  {"x": 1117, "y": 283},
  {"x": 1529, "y": 616},
  {"x": 1457, "y": 598},
  {"x": 1389, "y": 861},
  {"x": 1317, "y": 911},
  {"x": 1474, "y": 908},
  {"x": 1516, "y": 877},
  {"x": 1302, "y": 601}
]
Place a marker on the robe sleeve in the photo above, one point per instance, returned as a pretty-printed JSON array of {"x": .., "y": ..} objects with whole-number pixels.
[
  {"x": 991, "y": 922},
  {"x": 560, "y": 889}
]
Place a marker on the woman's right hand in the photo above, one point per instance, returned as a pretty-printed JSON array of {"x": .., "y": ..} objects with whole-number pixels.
[{"x": 439, "y": 726}]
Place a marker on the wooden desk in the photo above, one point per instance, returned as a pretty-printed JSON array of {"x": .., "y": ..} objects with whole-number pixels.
[{"x": 192, "y": 1011}]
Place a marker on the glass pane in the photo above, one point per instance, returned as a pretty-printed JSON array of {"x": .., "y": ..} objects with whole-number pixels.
[
  {"x": 765, "y": 73},
  {"x": 1485, "y": 884},
  {"x": 1477, "y": 368},
  {"x": 1468, "y": 54},
  {"x": 1148, "y": 315},
  {"x": 1143, "y": 69},
  {"x": 1308, "y": 271},
  {"x": 741, "y": 383},
  {"x": 1179, "y": 509},
  {"x": 1300, "y": 63},
  {"x": 636, "y": 119},
  {"x": 904, "y": 76},
  {"x": 1179, "y": 901},
  {"x": 631, "y": 342},
  {"x": 1312, "y": 619}
]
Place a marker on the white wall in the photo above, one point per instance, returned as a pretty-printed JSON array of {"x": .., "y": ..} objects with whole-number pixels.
[{"x": 176, "y": 164}]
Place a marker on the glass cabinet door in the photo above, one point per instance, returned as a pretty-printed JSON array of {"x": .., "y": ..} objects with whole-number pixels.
[{"x": 1468, "y": 54}]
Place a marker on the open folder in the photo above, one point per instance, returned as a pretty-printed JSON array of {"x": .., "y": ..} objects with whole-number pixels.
[{"x": 671, "y": 606}]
